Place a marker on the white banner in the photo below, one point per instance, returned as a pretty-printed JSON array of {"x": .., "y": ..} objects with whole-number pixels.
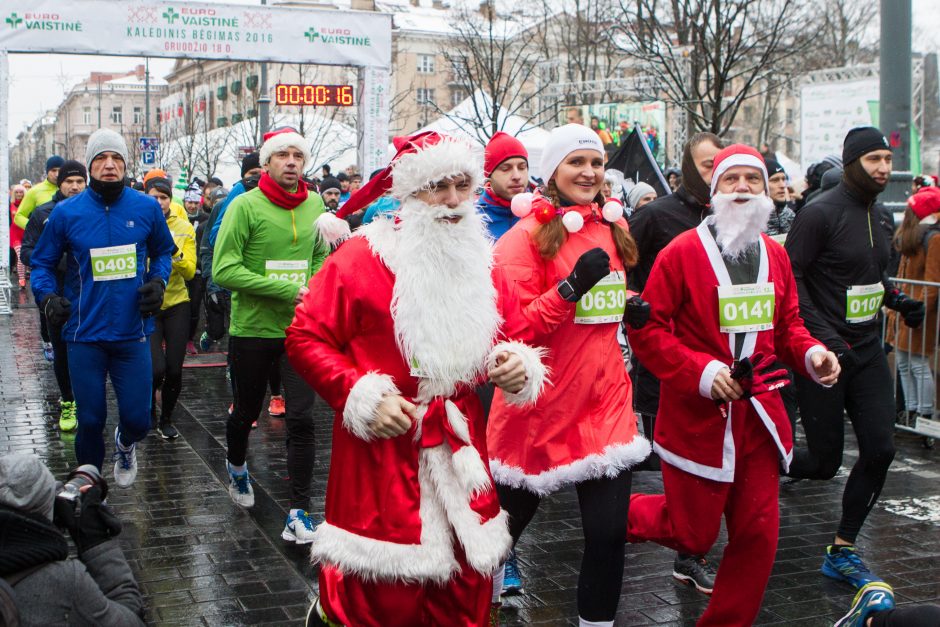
[
  {"x": 190, "y": 29},
  {"x": 374, "y": 106},
  {"x": 828, "y": 112}
]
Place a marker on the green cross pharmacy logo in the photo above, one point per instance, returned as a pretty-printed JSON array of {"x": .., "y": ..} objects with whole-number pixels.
[
  {"x": 311, "y": 34},
  {"x": 14, "y": 20},
  {"x": 170, "y": 15}
]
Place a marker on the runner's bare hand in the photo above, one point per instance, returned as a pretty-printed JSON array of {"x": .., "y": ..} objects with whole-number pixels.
[
  {"x": 509, "y": 372},
  {"x": 724, "y": 388},
  {"x": 393, "y": 417},
  {"x": 826, "y": 366}
]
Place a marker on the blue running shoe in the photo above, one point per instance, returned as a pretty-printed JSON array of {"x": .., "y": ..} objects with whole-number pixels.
[
  {"x": 299, "y": 527},
  {"x": 512, "y": 578},
  {"x": 873, "y": 597},
  {"x": 846, "y": 565},
  {"x": 47, "y": 351},
  {"x": 204, "y": 342},
  {"x": 239, "y": 487}
]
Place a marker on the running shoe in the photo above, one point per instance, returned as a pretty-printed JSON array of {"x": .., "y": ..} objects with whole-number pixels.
[
  {"x": 167, "y": 431},
  {"x": 299, "y": 528},
  {"x": 239, "y": 487},
  {"x": 844, "y": 564},
  {"x": 231, "y": 407},
  {"x": 316, "y": 617},
  {"x": 205, "y": 343},
  {"x": 191, "y": 348},
  {"x": 67, "y": 416},
  {"x": 22, "y": 284},
  {"x": 47, "y": 351},
  {"x": 694, "y": 570},
  {"x": 875, "y": 596},
  {"x": 512, "y": 578},
  {"x": 276, "y": 406},
  {"x": 125, "y": 462}
]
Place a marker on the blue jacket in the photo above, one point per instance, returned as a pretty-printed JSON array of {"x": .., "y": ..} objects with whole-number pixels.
[
  {"x": 102, "y": 311},
  {"x": 499, "y": 219},
  {"x": 237, "y": 190}
]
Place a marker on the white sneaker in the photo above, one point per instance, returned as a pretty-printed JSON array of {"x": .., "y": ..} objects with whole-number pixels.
[
  {"x": 239, "y": 487},
  {"x": 299, "y": 528},
  {"x": 125, "y": 462}
]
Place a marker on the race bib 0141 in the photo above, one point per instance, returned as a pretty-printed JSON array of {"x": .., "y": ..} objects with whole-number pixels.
[
  {"x": 113, "y": 263},
  {"x": 745, "y": 308},
  {"x": 603, "y": 303},
  {"x": 293, "y": 271}
]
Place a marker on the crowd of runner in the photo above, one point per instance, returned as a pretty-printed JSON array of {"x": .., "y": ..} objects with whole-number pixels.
[{"x": 465, "y": 321}]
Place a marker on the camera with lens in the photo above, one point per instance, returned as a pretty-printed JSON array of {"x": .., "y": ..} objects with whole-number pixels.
[{"x": 68, "y": 501}]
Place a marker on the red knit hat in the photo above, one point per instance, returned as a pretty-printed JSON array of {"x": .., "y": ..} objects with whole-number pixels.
[
  {"x": 735, "y": 155},
  {"x": 502, "y": 146},
  {"x": 925, "y": 202}
]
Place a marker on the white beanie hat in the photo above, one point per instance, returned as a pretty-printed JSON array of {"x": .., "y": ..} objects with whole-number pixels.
[
  {"x": 563, "y": 141},
  {"x": 104, "y": 140},
  {"x": 280, "y": 139}
]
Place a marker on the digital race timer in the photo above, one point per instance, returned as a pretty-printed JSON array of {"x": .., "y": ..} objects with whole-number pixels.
[{"x": 314, "y": 95}]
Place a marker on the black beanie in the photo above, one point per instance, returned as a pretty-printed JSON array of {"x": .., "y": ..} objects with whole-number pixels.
[
  {"x": 329, "y": 183},
  {"x": 773, "y": 167},
  {"x": 250, "y": 162},
  {"x": 72, "y": 168},
  {"x": 161, "y": 184},
  {"x": 862, "y": 140}
]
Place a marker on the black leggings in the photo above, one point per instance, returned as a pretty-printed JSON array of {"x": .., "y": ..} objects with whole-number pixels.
[
  {"x": 60, "y": 363},
  {"x": 218, "y": 307},
  {"x": 866, "y": 393},
  {"x": 908, "y": 616},
  {"x": 170, "y": 327},
  {"x": 196, "y": 289},
  {"x": 43, "y": 327},
  {"x": 604, "y": 503},
  {"x": 253, "y": 359}
]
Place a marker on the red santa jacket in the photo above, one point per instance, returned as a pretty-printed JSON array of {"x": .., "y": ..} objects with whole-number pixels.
[
  {"x": 683, "y": 346},
  {"x": 394, "y": 506}
]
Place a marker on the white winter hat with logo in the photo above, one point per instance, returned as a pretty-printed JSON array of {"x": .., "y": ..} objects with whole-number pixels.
[{"x": 563, "y": 141}]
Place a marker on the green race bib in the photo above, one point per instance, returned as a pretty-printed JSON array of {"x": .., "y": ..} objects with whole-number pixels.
[
  {"x": 293, "y": 271},
  {"x": 862, "y": 302},
  {"x": 603, "y": 303},
  {"x": 745, "y": 308},
  {"x": 113, "y": 263}
]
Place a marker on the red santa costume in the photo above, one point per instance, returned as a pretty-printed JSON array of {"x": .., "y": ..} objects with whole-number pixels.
[
  {"x": 409, "y": 307},
  {"x": 720, "y": 458}
]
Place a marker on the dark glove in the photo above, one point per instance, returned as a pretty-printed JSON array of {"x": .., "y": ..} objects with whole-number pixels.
[
  {"x": 96, "y": 522},
  {"x": 151, "y": 296},
  {"x": 637, "y": 312},
  {"x": 590, "y": 268},
  {"x": 57, "y": 309},
  {"x": 913, "y": 311},
  {"x": 755, "y": 376}
]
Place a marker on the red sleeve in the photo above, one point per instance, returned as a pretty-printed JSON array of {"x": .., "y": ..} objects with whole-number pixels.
[{"x": 791, "y": 339}]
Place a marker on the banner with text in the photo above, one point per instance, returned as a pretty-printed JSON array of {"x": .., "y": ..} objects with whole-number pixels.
[{"x": 202, "y": 30}]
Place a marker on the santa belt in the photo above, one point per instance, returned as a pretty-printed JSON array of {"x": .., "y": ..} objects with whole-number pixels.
[{"x": 445, "y": 420}]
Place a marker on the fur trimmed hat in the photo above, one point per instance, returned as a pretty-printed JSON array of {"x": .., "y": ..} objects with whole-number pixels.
[
  {"x": 736, "y": 155},
  {"x": 280, "y": 139}
]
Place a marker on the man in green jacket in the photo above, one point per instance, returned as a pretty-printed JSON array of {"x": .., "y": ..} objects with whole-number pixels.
[
  {"x": 266, "y": 252},
  {"x": 41, "y": 193}
]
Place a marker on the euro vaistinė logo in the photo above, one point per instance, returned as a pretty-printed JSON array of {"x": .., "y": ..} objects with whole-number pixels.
[
  {"x": 14, "y": 20},
  {"x": 337, "y": 36},
  {"x": 41, "y": 21}
]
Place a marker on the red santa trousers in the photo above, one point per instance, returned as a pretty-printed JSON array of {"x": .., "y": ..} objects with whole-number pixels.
[
  {"x": 463, "y": 601},
  {"x": 687, "y": 518}
]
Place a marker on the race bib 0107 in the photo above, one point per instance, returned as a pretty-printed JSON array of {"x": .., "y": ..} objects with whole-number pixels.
[
  {"x": 745, "y": 308},
  {"x": 603, "y": 303},
  {"x": 293, "y": 271},
  {"x": 113, "y": 262},
  {"x": 862, "y": 302}
]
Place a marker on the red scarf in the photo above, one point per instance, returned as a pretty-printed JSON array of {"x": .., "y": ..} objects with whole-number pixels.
[{"x": 280, "y": 196}]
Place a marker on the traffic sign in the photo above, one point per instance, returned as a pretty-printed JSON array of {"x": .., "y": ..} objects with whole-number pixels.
[
  {"x": 148, "y": 157},
  {"x": 149, "y": 144}
]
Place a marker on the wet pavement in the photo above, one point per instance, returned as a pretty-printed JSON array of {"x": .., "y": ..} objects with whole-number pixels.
[{"x": 201, "y": 560}]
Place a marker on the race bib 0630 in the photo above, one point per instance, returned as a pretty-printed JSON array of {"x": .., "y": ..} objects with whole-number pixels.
[
  {"x": 113, "y": 263},
  {"x": 745, "y": 308},
  {"x": 604, "y": 302},
  {"x": 293, "y": 271},
  {"x": 862, "y": 302}
]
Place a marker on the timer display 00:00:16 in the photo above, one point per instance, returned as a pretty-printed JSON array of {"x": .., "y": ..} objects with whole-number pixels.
[{"x": 314, "y": 95}]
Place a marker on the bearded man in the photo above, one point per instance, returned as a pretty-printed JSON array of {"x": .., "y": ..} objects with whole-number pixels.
[
  {"x": 398, "y": 328},
  {"x": 723, "y": 304}
]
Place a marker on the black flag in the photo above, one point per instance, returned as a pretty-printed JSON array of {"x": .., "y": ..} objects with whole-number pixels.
[{"x": 635, "y": 160}]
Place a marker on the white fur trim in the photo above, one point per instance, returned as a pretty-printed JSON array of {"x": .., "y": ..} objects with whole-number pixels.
[
  {"x": 333, "y": 230},
  {"x": 535, "y": 371},
  {"x": 451, "y": 156},
  {"x": 735, "y": 160},
  {"x": 609, "y": 463},
  {"x": 471, "y": 472},
  {"x": 282, "y": 141},
  {"x": 458, "y": 422},
  {"x": 708, "y": 377},
  {"x": 363, "y": 401}
]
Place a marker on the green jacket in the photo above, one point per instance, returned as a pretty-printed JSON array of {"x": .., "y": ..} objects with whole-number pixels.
[
  {"x": 263, "y": 254},
  {"x": 38, "y": 194}
]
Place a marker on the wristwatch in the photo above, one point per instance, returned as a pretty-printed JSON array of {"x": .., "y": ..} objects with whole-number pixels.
[{"x": 567, "y": 292}]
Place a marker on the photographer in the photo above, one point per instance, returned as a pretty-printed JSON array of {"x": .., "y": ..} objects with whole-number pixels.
[{"x": 98, "y": 588}]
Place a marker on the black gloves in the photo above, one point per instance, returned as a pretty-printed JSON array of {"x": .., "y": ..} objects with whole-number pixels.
[
  {"x": 637, "y": 312},
  {"x": 90, "y": 523},
  {"x": 151, "y": 296},
  {"x": 57, "y": 309},
  {"x": 590, "y": 268},
  {"x": 913, "y": 311}
]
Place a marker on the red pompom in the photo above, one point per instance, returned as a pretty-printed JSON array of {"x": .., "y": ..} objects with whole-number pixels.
[{"x": 545, "y": 213}]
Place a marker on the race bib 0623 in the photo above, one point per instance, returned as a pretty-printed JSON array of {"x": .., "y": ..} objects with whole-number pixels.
[
  {"x": 745, "y": 308},
  {"x": 604, "y": 302},
  {"x": 293, "y": 271},
  {"x": 113, "y": 263}
]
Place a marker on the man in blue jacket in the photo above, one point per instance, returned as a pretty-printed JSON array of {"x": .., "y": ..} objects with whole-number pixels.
[
  {"x": 119, "y": 254},
  {"x": 506, "y": 167}
]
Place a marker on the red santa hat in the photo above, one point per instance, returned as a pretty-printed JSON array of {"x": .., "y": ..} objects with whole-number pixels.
[
  {"x": 737, "y": 155},
  {"x": 421, "y": 160},
  {"x": 925, "y": 202},
  {"x": 280, "y": 139},
  {"x": 502, "y": 146}
]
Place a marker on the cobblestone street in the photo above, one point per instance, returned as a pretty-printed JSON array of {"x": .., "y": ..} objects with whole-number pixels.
[{"x": 201, "y": 560}]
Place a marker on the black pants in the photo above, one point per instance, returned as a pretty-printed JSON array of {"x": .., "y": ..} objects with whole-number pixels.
[
  {"x": 196, "y": 288},
  {"x": 646, "y": 406},
  {"x": 604, "y": 504},
  {"x": 43, "y": 327},
  {"x": 169, "y": 327},
  {"x": 60, "y": 363},
  {"x": 218, "y": 306},
  {"x": 908, "y": 616},
  {"x": 253, "y": 359},
  {"x": 866, "y": 393}
]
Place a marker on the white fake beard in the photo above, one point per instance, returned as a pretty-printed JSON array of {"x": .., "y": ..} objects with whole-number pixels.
[
  {"x": 738, "y": 225},
  {"x": 444, "y": 301}
]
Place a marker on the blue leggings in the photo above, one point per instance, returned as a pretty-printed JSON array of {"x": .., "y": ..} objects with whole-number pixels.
[{"x": 129, "y": 366}]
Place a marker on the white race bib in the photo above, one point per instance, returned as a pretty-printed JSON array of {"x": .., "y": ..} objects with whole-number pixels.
[
  {"x": 288, "y": 270},
  {"x": 603, "y": 303},
  {"x": 745, "y": 308},
  {"x": 862, "y": 302},
  {"x": 113, "y": 262}
]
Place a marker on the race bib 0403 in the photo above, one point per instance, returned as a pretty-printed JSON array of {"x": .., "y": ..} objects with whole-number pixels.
[
  {"x": 293, "y": 271},
  {"x": 745, "y": 308},
  {"x": 862, "y": 302},
  {"x": 113, "y": 263},
  {"x": 603, "y": 303}
]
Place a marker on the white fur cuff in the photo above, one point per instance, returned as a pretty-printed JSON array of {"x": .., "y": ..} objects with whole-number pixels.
[
  {"x": 536, "y": 372},
  {"x": 333, "y": 230},
  {"x": 363, "y": 401}
]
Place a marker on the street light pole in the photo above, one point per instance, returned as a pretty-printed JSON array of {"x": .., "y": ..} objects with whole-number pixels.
[
  {"x": 264, "y": 101},
  {"x": 147, "y": 97},
  {"x": 894, "y": 108}
]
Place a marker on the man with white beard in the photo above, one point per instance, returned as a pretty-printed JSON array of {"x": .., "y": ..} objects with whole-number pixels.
[
  {"x": 397, "y": 330},
  {"x": 724, "y": 307}
]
